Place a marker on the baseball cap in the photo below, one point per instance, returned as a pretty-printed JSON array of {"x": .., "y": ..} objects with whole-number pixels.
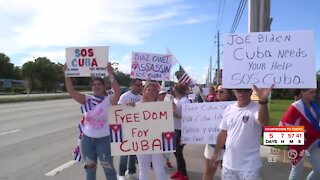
[{"x": 162, "y": 91}]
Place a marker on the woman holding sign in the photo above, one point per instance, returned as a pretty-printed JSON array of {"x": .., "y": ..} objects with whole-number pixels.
[
  {"x": 222, "y": 94},
  {"x": 150, "y": 94},
  {"x": 305, "y": 112},
  {"x": 95, "y": 140}
]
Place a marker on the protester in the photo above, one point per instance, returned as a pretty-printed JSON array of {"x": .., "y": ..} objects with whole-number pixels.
[
  {"x": 211, "y": 97},
  {"x": 133, "y": 95},
  {"x": 95, "y": 141},
  {"x": 240, "y": 131},
  {"x": 150, "y": 94},
  {"x": 161, "y": 97},
  {"x": 305, "y": 112},
  {"x": 222, "y": 95},
  {"x": 180, "y": 92}
]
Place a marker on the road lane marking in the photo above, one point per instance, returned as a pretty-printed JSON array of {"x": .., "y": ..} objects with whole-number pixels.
[
  {"x": 61, "y": 168},
  {"x": 17, "y": 130}
]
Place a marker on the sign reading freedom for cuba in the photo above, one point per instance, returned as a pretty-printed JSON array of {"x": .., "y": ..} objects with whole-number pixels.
[
  {"x": 286, "y": 59},
  {"x": 201, "y": 121},
  {"x": 146, "y": 128},
  {"x": 87, "y": 61},
  {"x": 151, "y": 66}
]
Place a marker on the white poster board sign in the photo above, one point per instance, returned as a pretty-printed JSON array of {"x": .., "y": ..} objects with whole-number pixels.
[
  {"x": 151, "y": 66},
  {"x": 201, "y": 121},
  {"x": 146, "y": 128},
  {"x": 205, "y": 91},
  {"x": 87, "y": 61},
  {"x": 286, "y": 59}
]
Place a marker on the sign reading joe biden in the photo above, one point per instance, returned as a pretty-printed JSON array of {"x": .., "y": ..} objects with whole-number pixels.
[{"x": 286, "y": 59}]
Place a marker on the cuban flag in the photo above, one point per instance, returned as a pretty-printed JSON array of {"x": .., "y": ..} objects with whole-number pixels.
[
  {"x": 76, "y": 151},
  {"x": 90, "y": 104},
  {"x": 168, "y": 141},
  {"x": 116, "y": 133},
  {"x": 299, "y": 115}
]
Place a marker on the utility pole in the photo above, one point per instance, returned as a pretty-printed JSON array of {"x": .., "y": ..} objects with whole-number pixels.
[
  {"x": 218, "y": 58},
  {"x": 258, "y": 21},
  {"x": 259, "y": 15}
]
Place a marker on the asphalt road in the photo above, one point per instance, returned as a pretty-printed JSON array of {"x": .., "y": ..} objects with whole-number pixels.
[{"x": 38, "y": 137}]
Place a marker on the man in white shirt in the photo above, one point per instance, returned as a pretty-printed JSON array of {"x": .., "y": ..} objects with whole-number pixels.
[
  {"x": 240, "y": 131},
  {"x": 133, "y": 95}
]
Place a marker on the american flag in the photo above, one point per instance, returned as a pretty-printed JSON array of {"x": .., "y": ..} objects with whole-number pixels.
[{"x": 185, "y": 78}]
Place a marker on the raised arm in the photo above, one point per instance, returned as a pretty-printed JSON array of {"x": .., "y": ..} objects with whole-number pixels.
[
  {"x": 79, "y": 97},
  {"x": 114, "y": 85},
  {"x": 263, "y": 115}
]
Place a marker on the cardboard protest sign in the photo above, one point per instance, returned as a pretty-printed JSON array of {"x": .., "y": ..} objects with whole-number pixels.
[
  {"x": 151, "y": 66},
  {"x": 201, "y": 121},
  {"x": 286, "y": 59},
  {"x": 205, "y": 91},
  {"x": 146, "y": 128},
  {"x": 87, "y": 61}
]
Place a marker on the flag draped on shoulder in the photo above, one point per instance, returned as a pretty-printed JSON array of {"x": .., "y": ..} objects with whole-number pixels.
[{"x": 299, "y": 115}]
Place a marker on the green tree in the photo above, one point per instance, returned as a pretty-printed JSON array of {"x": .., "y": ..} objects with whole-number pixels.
[
  {"x": 123, "y": 79},
  {"x": 46, "y": 73},
  {"x": 6, "y": 68},
  {"x": 17, "y": 73},
  {"x": 28, "y": 73}
]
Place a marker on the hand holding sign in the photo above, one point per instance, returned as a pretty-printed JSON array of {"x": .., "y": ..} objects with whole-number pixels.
[
  {"x": 109, "y": 69},
  {"x": 263, "y": 93}
]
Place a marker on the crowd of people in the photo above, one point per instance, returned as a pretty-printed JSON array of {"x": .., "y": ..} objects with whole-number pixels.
[{"x": 237, "y": 151}]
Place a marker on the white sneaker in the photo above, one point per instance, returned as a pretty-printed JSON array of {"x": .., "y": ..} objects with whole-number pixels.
[
  {"x": 121, "y": 178},
  {"x": 133, "y": 176}
]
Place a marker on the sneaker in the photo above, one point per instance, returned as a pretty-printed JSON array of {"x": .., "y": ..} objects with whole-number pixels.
[
  {"x": 176, "y": 175},
  {"x": 121, "y": 178},
  {"x": 169, "y": 165},
  {"x": 133, "y": 176},
  {"x": 183, "y": 178}
]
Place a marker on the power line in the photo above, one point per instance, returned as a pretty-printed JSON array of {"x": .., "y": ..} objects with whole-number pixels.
[
  {"x": 221, "y": 17},
  {"x": 238, "y": 15}
]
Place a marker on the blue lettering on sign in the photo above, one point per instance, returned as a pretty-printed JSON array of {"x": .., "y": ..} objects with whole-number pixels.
[{"x": 77, "y": 52}]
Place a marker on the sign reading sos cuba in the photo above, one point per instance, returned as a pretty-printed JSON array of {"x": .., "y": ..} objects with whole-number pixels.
[{"x": 87, "y": 61}]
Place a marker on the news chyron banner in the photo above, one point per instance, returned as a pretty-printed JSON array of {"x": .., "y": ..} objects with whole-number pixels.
[{"x": 283, "y": 135}]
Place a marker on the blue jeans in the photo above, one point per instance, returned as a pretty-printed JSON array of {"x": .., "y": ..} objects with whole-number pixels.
[
  {"x": 314, "y": 159},
  {"x": 124, "y": 162},
  {"x": 94, "y": 148}
]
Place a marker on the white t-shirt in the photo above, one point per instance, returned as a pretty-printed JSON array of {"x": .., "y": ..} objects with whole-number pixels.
[
  {"x": 129, "y": 96},
  {"x": 177, "y": 121},
  {"x": 96, "y": 123},
  {"x": 243, "y": 137}
]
